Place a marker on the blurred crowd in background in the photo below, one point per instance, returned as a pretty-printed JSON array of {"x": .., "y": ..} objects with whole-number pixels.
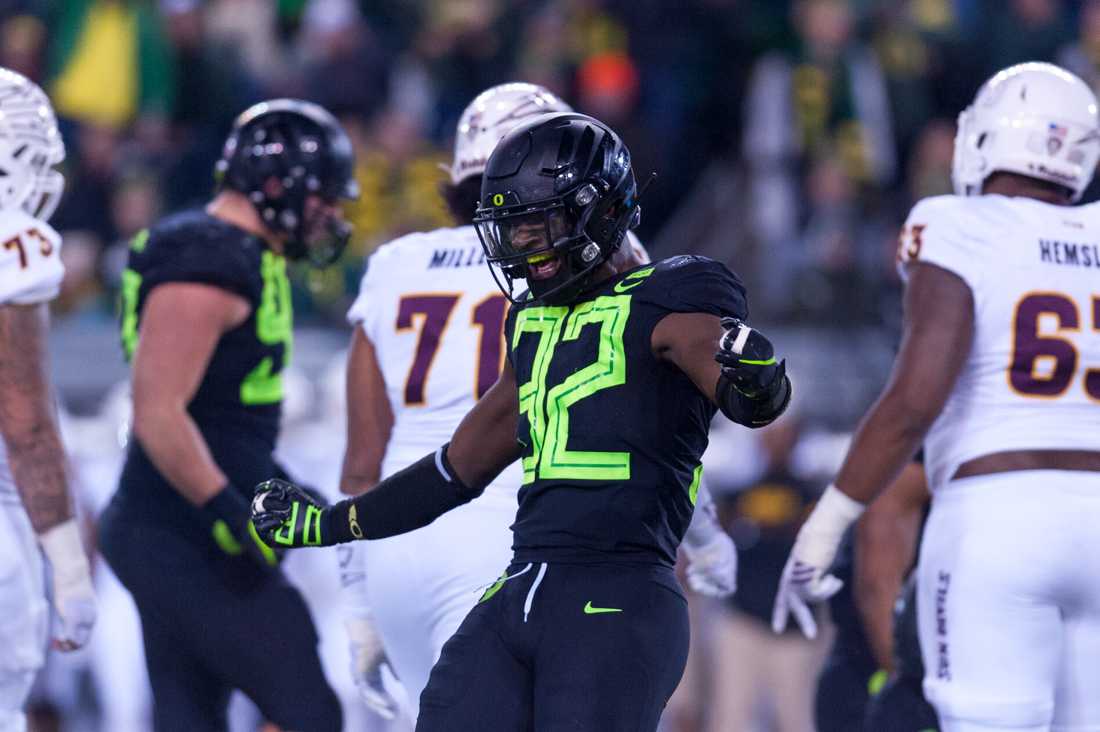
[{"x": 790, "y": 137}]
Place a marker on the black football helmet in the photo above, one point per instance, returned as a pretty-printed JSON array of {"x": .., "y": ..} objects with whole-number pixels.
[
  {"x": 279, "y": 153},
  {"x": 557, "y": 197}
]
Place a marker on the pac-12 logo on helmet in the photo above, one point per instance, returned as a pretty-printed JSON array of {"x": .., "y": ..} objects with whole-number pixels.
[
  {"x": 30, "y": 145},
  {"x": 1033, "y": 119},
  {"x": 490, "y": 116},
  {"x": 557, "y": 197}
]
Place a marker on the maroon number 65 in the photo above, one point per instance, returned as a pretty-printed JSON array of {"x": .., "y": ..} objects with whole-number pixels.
[{"x": 1030, "y": 348}]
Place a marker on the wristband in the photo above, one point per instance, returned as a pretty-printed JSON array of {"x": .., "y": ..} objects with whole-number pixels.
[{"x": 820, "y": 535}]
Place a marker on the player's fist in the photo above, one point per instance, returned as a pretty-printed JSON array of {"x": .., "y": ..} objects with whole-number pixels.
[
  {"x": 287, "y": 515},
  {"x": 748, "y": 358}
]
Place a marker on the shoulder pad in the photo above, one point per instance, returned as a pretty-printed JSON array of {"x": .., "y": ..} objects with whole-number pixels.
[
  {"x": 945, "y": 231},
  {"x": 30, "y": 260},
  {"x": 195, "y": 247},
  {"x": 688, "y": 283}
]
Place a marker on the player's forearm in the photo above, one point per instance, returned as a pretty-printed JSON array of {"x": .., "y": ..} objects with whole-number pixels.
[
  {"x": 885, "y": 550},
  {"x": 884, "y": 444},
  {"x": 408, "y": 500},
  {"x": 178, "y": 451},
  {"x": 361, "y": 470},
  {"x": 879, "y": 571},
  {"x": 40, "y": 468},
  {"x": 27, "y": 417}
]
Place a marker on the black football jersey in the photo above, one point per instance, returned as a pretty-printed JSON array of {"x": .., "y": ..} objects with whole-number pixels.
[
  {"x": 612, "y": 437},
  {"x": 237, "y": 405}
]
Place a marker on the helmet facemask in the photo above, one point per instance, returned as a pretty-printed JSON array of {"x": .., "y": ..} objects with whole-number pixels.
[
  {"x": 548, "y": 243},
  {"x": 321, "y": 236}
]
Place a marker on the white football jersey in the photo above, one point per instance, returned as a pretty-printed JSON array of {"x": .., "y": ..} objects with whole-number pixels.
[
  {"x": 1032, "y": 379},
  {"x": 30, "y": 273},
  {"x": 435, "y": 316}
]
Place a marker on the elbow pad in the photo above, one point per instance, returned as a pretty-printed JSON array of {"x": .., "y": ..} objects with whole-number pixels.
[
  {"x": 409, "y": 499},
  {"x": 762, "y": 408}
]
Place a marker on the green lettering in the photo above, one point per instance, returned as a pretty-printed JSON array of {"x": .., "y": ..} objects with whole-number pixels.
[
  {"x": 139, "y": 241},
  {"x": 128, "y": 307},
  {"x": 557, "y": 460},
  {"x": 696, "y": 478},
  {"x": 546, "y": 322},
  {"x": 547, "y": 410},
  {"x": 274, "y": 326}
]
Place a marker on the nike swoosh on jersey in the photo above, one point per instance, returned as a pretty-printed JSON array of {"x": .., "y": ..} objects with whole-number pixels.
[
  {"x": 589, "y": 610},
  {"x": 623, "y": 286}
]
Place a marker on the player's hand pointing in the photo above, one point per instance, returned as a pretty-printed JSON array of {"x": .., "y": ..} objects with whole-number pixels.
[{"x": 287, "y": 515}]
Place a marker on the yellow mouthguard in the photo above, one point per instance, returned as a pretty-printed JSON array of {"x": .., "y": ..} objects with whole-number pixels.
[{"x": 540, "y": 258}]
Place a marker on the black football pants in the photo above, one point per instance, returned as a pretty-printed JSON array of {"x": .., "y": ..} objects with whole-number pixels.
[
  {"x": 840, "y": 703},
  {"x": 212, "y": 624},
  {"x": 563, "y": 647}
]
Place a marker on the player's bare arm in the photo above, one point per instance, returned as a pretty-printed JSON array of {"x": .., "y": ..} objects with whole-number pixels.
[
  {"x": 719, "y": 356},
  {"x": 482, "y": 446},
  {"x": 370, "y": 419},
  {"x": 40, "y": 467},
  {"x": 936, "y": 339},
  {"x": 27, "y": 417},
  {"x": 182, "y": 323},
  {"x": 939, "y": 327},
  {"x": 885, "y": 551}
]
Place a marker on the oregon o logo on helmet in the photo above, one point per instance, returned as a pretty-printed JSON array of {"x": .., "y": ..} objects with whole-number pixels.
[{"x": 498, "y": 199}]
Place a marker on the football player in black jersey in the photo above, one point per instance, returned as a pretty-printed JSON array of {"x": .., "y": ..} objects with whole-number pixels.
[
  {"x": 612, "y": 377},
  {"x": 207, "y": 324}
]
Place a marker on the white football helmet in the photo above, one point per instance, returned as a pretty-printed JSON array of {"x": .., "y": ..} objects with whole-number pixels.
[
  {"x": 30, "y": 145},
  {"x": 490, "y": 116},
  {"x": 1035, "y": 119}
]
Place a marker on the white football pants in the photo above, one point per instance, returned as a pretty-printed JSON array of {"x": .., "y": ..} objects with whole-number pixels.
[
  {"x": 1009, "y": 602},
  {"x": 422, "y": 584},
  {"x": 24, "y": 614}
]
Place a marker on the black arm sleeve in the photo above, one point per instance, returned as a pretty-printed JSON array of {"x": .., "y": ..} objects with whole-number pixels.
[
  {"x": 759, "y": 411},
  {"x": 407, "y": 500}
]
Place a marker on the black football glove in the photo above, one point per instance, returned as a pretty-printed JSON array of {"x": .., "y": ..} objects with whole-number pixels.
[
  {"x": 227, "y": 515},
  {"x": 288, "y": 515},
  {"x": 748, "y": 359}
]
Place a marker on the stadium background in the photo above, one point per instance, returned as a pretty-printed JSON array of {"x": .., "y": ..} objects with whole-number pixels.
[{"x": 790, "y": 138}]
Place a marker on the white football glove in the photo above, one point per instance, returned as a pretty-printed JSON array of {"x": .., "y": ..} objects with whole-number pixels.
[
  {"x": 368, "y": 658},
  {"x": 73, "y": 595},
  {"x": 712, "y": 568},
  {"x": 805, "y": 579}
]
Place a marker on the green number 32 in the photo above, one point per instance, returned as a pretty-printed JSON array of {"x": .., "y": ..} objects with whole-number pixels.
[{"x": 547, "y": 410}]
